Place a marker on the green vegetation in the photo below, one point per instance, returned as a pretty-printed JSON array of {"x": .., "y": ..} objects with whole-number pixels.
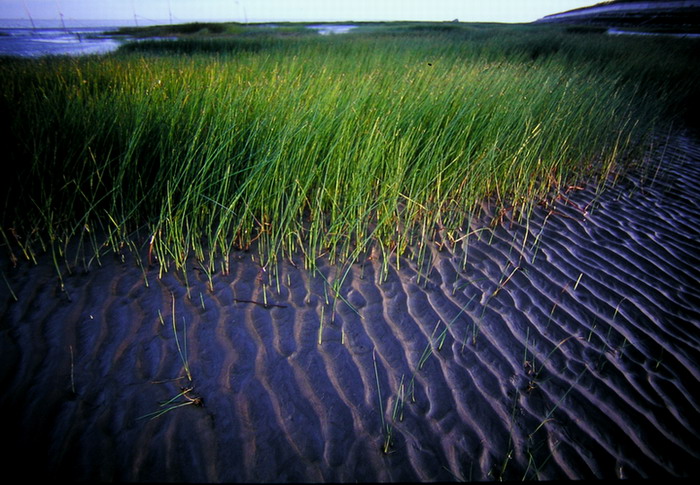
[
  {"x": 388, "y": 137},
  {"x": 208, "y": 29}
]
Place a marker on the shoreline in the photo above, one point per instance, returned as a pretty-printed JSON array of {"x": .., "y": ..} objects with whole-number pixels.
[{"x": 565, "y": 349}]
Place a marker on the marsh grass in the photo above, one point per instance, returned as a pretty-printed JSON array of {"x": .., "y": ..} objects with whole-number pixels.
[
  {"x": 181, "y": 348},
  {"x": 324, "y": 146},
  {"x": 179, "y": 400},
  {"x": 531, "y": 448},
  {"x": 387, "y": 427},
  {"x": 186, "y": 396}
]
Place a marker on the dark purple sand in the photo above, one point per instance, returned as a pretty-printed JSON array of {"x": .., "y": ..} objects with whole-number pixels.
[{"x": 583, "y": 362}]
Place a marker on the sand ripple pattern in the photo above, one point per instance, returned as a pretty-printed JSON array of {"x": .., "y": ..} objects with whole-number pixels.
[{"x": 567, "y": 347}]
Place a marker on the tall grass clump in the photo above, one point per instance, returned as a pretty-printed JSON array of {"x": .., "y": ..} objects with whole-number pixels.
[{"x": 324, "y": 146}]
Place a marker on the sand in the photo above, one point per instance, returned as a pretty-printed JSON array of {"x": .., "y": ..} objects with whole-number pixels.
[{"x": 565, "y": 348}]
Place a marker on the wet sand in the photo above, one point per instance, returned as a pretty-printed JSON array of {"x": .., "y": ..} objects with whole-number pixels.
[{"x": 567, "y": 348}]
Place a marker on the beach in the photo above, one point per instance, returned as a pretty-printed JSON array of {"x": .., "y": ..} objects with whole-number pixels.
[{"x": 566, "y": 346}]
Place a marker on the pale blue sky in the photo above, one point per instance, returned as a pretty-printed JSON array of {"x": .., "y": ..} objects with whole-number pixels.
[{"x": 290, "y": 10}]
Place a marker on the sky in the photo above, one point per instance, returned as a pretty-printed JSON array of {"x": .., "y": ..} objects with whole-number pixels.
[{"x": 510, "y": 11}]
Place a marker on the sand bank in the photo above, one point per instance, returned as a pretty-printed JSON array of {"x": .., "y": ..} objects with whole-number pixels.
[{"x": 565, "y": 348}]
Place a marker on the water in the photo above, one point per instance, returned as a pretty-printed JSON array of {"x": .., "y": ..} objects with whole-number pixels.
[
  {"x": 329, "y": 29},
  {"x": 41, "y": 38},
  {"x": 35, "y": 38},
  {"x": 42, "y": 42},
  {"x": 657, "y": 34}
]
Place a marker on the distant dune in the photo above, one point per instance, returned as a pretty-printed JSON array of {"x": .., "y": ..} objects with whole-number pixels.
[{"x": 666, "y": 14}]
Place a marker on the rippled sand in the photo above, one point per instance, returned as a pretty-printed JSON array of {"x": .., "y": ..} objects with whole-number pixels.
[{"x": 565, "y": 348}]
